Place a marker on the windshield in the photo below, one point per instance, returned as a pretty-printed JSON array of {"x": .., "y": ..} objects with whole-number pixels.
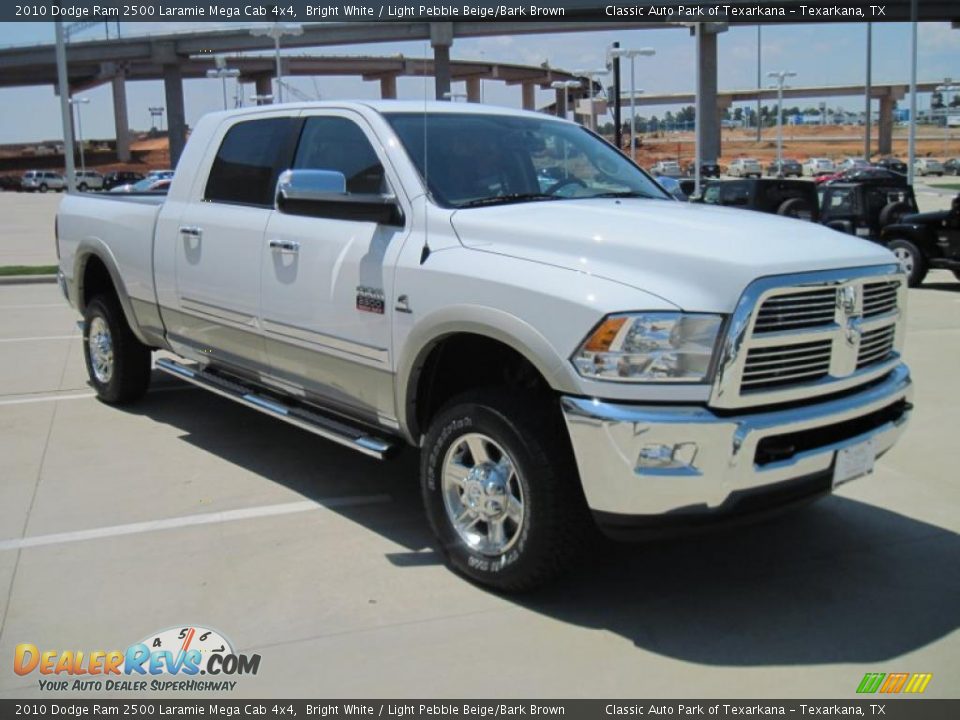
[{"x": 473, "y": 160}]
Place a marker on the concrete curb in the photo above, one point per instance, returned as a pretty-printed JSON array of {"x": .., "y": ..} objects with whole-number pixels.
[{"x": 27, "y": 279}]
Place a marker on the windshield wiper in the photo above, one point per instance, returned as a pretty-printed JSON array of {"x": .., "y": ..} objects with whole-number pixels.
[
  {"x": 510, "y": 198},
  {"x": 619, "y": 194}
]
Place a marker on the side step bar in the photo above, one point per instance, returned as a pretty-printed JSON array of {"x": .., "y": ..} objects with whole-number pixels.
[{"x": 353, "y": 437}]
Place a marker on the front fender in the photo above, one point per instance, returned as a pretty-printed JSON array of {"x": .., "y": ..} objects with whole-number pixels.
[{"x": 476, "y": 320}]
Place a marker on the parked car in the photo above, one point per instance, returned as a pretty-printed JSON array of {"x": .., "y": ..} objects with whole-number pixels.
[
  {"x": 893, "y": 164},
  {"x": 42, "y": 180},
  {"x": 610, "y": 358},
  {"x": 862, "y": 174},
  {"x": 865, "y": 208},
  {"x": 160, "y": 174},
  {"x": 788, "y": 168},
  {"x": 952, "y": 166},
  {"x": 88, "y": 180},
  {"x": 10, "y": 182},
  {"x": 710, "y": 170},
  {"x": 120, "y": 177},
  {"x": 790, "y": 198},
  {"x": 852, "y": 163},
  {"x": 923, "y": 241},
  {"x": 148, "y": 184},
  {"x": 666, "y": 168},
  {"x": 818, "y": 166},
  {"x": 745, "y": 167},
  {"x": 928, "y": 166}
]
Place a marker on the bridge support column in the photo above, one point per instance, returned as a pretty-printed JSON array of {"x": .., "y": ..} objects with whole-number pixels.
[
  {"x": 176, "y": 118},
  {"x": 473, "y": 89},
  {"x": 885, "y": 125},
  {"x": 388, "y": 87},
  {"x": 529, "y": 96},
  {"x": 263, "y": 86},
  {"x": 441, "y": 38},
  {"x": 708, "y": 127},
  {"x": 561, "y": 104},
  {"x": 120, "y": 119}
]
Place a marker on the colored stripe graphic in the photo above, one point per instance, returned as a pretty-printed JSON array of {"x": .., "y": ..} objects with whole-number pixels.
[
  {"x": 871, "y": 682},
  {"x": 918, "y": 682},
  {"x": 894, "y": 682}
]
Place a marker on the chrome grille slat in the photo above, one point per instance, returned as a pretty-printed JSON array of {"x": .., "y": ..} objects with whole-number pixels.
[
  {"x": 825, "y": 357},
  {"x": 753, "y": 374}
]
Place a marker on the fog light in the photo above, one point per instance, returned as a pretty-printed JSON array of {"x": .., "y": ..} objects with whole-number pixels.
[{"x": 661, "y": 458}]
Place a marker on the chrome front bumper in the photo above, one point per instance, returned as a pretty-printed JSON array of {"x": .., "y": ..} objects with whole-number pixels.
[{"x": 719, "y": 451}]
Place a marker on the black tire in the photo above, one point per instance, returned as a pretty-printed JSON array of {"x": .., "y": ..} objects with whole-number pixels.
[
  {"x": 43, "y": 187},
  {"x": 893, "y": 212},
  {"x": 796, "y": 208},
  {"x": 82, "y": 187},
  {"x": 911, "y": 259},
  {"x": 129, "y": 375},
  {"x": 555, "y": 523}
]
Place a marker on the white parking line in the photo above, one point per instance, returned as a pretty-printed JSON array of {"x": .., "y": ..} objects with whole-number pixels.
[
  {"x": 46, "y": 337},
  {"x": 42, "y": 397},
  {"x": 213, "y": 518}
]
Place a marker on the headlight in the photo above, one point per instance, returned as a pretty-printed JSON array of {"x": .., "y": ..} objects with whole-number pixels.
[{"x": 650, "y": 347}]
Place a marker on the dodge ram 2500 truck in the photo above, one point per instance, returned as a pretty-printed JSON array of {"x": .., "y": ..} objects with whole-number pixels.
[{"x": 565, "y": 343}]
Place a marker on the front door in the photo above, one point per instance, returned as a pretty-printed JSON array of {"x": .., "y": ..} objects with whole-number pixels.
[
  {"x": 325, "y": 281},
  {"x": 218, "y": 248}
]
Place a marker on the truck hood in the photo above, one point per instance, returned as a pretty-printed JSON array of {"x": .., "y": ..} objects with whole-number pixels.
[{"x": 697, "y": 257}]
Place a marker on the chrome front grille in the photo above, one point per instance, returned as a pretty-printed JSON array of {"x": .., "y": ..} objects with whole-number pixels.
[
  {"x": 781, "y": 365},
  {"x": 794, "y": 337},
  {"x": 796, "y": 311}
]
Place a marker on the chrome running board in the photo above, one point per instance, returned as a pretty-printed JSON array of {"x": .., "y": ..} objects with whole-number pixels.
[{"x": 334, "y": 429}]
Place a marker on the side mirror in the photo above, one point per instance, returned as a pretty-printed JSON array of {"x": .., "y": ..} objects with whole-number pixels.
[{"x": 323, "y": 193}]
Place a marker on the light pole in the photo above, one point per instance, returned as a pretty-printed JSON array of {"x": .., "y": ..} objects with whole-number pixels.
[
  {"x": 589, "y": 75},
  {"x": 566, "y": 86},
  {"x": 945, "y": 91},
  {"x": 632, "y": 54},
  {"x": 77, "y": 102},
  {"x": 276, "y": 31},
  {"x": 63, "y": 89},
  {"x": 780, "y": 77},
  {"x": 262, "y": 99},
  {"x": 222, "y": 72},
  {"x": 867, "y": 92}
]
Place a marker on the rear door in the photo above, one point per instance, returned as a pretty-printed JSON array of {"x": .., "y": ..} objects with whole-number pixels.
[
  {"x": 220, "y": 237},
  {"x": 326, "y": 282}
]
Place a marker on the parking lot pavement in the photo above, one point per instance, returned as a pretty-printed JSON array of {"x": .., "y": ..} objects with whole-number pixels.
[
  {"x": 28, "y": 228},
  {"x": 188, "y": 510}
]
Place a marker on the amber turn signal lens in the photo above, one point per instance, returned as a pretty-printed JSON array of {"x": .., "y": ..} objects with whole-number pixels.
[{"x": 604, "y": 335}]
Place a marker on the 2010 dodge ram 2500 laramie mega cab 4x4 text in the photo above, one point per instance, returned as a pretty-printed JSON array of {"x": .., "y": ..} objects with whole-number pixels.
[{"x": 506, "y": 291}]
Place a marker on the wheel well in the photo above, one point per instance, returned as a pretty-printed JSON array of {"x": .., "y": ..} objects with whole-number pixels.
[
  {"x": 462, "y": 362},
  {"x": 96, "y": 281}
]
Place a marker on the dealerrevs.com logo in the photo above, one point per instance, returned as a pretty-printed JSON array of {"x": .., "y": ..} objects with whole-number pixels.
[{"x": 170, "y": 660}]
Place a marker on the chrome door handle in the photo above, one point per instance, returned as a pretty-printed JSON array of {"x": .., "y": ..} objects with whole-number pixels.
[
  {"x": 285, "y": 246},
  {"x": 191, "y": 230}
]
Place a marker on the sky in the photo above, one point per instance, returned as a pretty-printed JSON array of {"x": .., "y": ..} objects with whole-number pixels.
[{"x": 821, "y": 54}]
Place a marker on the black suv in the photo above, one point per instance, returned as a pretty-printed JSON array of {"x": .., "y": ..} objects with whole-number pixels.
[
  {"x": 785, "y": 168},
  {"x": 865, "y": 208},
  {"x": 706, "y": 169},
  {"x": 120, "y": 177},
  {"x": 892, "y": 163},
  {"x": 790, "y": 198},
  {"x": 923, "y": 241}
]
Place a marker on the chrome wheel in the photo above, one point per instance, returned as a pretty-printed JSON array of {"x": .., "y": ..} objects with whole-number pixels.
[
  {"x": 100, "y": 347},
  {"x": 482, "y": 494},
  {"x": 905, "y": 258}
]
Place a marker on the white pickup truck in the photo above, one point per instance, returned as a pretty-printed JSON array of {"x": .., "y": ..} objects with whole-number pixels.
[{"x": 566, "y": 344}]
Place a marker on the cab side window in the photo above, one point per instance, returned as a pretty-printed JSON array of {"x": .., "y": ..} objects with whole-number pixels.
[
  {"x": 249, "y": 161},
  {"x": 336, "y": 143}
]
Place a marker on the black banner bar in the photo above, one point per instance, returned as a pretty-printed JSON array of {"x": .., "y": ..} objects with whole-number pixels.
[
  {"x": 877, "y": 707},
  {"x": 742, "y": 11}
]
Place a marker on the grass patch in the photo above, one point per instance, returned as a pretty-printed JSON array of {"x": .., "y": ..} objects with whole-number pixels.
[
  {"x": 946, "y": 186},
  {"x": 11, "y": 270}
]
